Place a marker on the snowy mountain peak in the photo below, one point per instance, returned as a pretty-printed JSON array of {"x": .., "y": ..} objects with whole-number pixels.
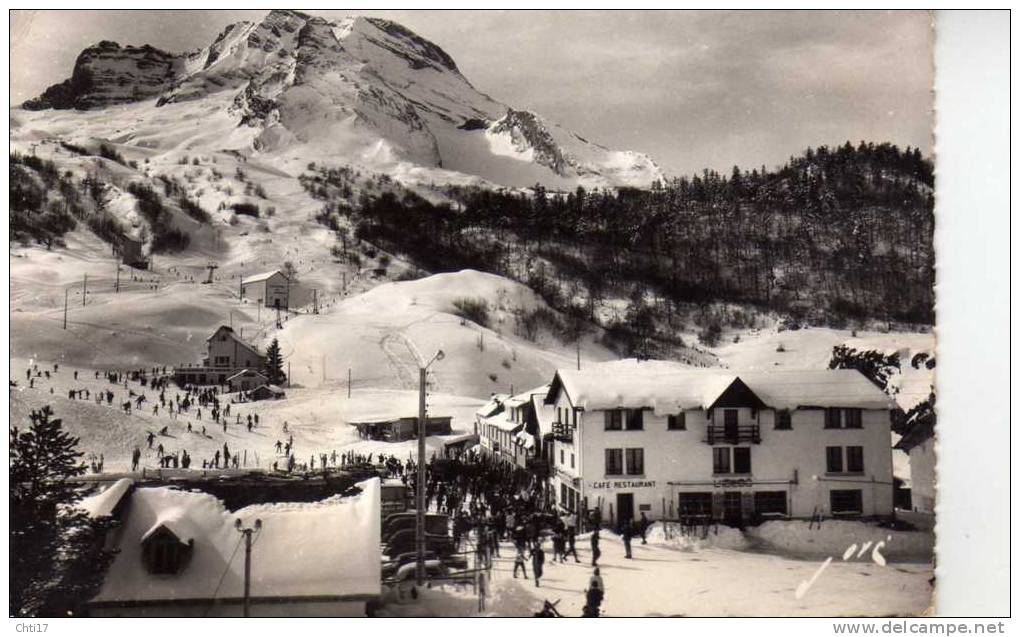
[{"x": 357, "y": 90}]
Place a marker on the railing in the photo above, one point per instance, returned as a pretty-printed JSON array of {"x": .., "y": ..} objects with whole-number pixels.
[
  {"x": 564, "y": 432},
  {"x": 734, "y": 435}
]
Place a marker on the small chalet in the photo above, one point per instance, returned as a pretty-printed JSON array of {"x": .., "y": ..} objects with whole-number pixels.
[
  {"x": 390, "y": 429},
  {"x": 266, "y": 392},
  {"x": 271, "y": 289},
  {"x": 246, "y": 379},
  {"x": 176, "y": 557}
]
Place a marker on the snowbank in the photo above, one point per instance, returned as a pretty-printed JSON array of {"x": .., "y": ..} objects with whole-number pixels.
[
  {"x": 835, "y": 537},
  {"x": 103, "y": 503},
  {"x": 668, "y": 534}
]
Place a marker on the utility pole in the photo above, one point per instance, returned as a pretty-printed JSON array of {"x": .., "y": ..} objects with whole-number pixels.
[
  {"x": 578, "y": 353},
  {"x": 84, "y": 288},
  {"x": 419, "y": 485},
  {"x": 344, "y": 289},
  {"x": 65, "y": 307},
  {"x": 315, "y": 301},
  {"x": 348, "y": 382},
  {"x": 247, "y": 533},
  {"x": 288, "y": 374},
  {"x": 116, "y": 285}
]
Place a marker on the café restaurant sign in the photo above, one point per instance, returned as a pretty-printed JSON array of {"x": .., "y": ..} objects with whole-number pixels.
[{"x": 623, "y": 484}]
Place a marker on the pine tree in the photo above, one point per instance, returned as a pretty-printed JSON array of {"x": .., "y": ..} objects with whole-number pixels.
[
  {"x": 57, "y": 556},
  {"x": 274, "y": 363}
]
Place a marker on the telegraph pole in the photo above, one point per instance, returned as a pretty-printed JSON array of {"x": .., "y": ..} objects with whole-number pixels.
[
  {"x": 348, "y": 382},
  {"x": 116, "y": 286},
  {"x": 419, "y": 485},
  {"x": 65, "y": 307},
  {"x": 247, "y": 533},
  {"x": 315, "y": 301},
  {"x": 84, "y": 288}
]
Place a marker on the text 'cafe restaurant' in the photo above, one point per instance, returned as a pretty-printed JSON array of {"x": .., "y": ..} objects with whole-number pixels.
[{"x": 632, "y": 437}]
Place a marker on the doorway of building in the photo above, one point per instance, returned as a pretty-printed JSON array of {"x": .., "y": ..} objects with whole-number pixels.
[
  {"x": 733, "y": 514},
  {"x": 624, "y": 507}
]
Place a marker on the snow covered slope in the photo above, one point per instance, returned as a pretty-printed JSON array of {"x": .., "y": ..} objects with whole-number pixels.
[{"x": 359, "y": 90}]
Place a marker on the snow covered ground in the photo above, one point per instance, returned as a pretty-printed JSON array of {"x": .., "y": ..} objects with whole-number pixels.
[
  {"x": 673, "y": 578},
  {"x": 316, "y": 417}
]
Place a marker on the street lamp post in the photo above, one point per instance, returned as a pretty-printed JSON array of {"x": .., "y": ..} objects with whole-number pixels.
[
  {"x": 247, "y": 533},
  {"x": 419, "y": 536}
]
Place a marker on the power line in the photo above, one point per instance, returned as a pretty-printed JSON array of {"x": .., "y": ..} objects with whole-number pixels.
[{"x": 222, "y": 575}]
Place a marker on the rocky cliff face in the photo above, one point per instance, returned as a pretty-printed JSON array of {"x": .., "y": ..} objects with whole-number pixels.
[
  {"x": 108, "y": 73},
  {"x": 362, "y": 86}
]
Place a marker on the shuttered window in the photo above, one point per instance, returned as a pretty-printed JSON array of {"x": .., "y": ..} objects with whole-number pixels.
[
  {"x": 614, "y": 420},
  {"x": 721, "y": 460},
  {"x": 855, "y": 459},
  {"x": 614, "y": 462},
  {"x": 676, "y": 422},
  {"x": 635, "y": 462}
]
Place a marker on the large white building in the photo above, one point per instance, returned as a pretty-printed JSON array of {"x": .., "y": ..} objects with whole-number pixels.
[{"x": 632, "y": 437}]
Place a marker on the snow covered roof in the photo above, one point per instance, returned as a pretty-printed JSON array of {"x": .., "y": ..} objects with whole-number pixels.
[
  {"x": 255, "y": 278},
  {"x": 499, "y": 421},
  {"x": 524, "y": 439},
  {"x": 667, "y": 389},
  {"x": 493, "y": 406},
  {"x": 525, "y": 397},
  {"x": 247, "y": 372},
  {"x": 544, "y": 414},
  {"x": 327, "y": 549},
  {"x": 105, "y": 502}
]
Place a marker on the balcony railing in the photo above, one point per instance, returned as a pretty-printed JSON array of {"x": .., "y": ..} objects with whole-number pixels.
[
  {"x": 564, "y": 432},
  {"x": 721, "y": 434}
]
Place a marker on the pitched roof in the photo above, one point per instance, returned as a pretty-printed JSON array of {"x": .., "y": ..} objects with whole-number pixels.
[
  {"x": 667, "y": 388},
  {"x": 304, "y": 549},
  {"x": 247, "y": 372},
  {"x": 107, "y": 502},
  {"x": 255, "y": 278}
]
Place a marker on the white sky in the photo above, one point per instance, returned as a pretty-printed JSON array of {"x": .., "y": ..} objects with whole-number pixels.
[{"x": 692, "y": 89}]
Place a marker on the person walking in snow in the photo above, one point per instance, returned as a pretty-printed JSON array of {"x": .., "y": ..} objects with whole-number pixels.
[
  {"x": 627, "y": 532},
  {"x": 537, "y": 562},
  {"x": 595, "y": 552},
  {"x": 519, "y": 562},
  {"x": 594, "y": 595},
  {"x": 136, "y": 455},
  {"x": 643, "y": 525}
]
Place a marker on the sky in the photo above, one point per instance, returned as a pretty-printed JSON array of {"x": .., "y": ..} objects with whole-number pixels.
[{"x": 692, "y": 89}]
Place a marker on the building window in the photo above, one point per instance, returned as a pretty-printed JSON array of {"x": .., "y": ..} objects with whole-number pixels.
[
  {"x": 770, "y": 502},
  {"x": 852, "y": 418},
  {"x": 562, "y": 457},
  {"x": 832, "y": 418},
  {"x": 855, "y": 459},
  {"x": 614, "y": 420},
  {"x": 164, "y": 554},
  {"x": 694, "y": 503},
  {"x": 676, "y": 422},
  {"x": 635, "y": 419},
  {"x": 834, "y": 459},
  {"x": 635, "y": 462},
  {"x": 571, "y": 461},
  {"x": 614, "y": 462},
  {"x": 563, "y": 495},
  {"x": 846, "y": 502},
  {"x": 783, "y": 419},
  {"x": 721, "y": 460},
  {"x": 742, "y": 460}
]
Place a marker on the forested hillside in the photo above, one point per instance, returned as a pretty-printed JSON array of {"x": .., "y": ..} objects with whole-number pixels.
[{"x": 832, "y": 236}]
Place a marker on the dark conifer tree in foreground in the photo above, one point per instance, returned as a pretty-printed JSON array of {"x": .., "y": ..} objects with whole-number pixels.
[
  {"x": 57, "y": 560},
  {"x": 274, "y": 363}
]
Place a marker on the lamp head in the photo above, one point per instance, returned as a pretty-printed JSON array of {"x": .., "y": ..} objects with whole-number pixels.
[
  {"x": 237, "y": 524},
  {"x": 440, "y": 355},
  {"x": 258, "y": 525}
]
